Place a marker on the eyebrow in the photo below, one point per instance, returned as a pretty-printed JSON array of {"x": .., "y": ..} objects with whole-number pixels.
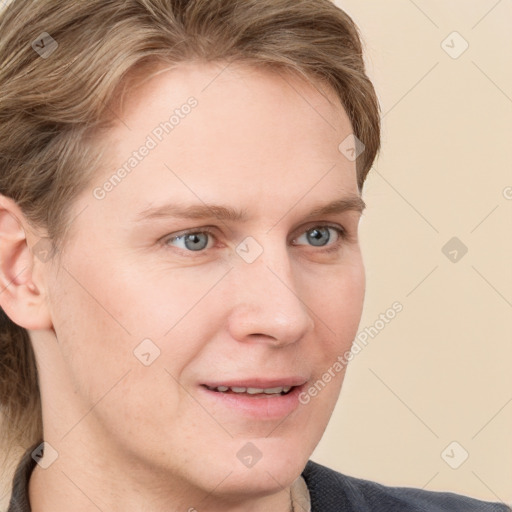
[{"x": 226, "y": 213}]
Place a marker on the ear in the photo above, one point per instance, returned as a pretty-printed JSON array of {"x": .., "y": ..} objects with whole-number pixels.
[{"x": 22, "y": 294}]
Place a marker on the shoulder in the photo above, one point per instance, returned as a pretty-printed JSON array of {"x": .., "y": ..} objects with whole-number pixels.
[{"x": 330, "y": 490}]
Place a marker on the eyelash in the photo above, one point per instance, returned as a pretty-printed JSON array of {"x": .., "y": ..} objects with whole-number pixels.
[{"x": 342, "y": 236}]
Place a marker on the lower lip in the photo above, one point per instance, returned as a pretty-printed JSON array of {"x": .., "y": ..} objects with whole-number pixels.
[{"x": 258, "y": 406}]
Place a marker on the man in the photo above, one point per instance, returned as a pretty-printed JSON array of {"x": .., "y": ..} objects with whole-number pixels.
[{"x": 209, "y": 271}]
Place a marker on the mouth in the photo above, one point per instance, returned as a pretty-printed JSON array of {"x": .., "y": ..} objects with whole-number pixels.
[{"x": 255, "y": 398}]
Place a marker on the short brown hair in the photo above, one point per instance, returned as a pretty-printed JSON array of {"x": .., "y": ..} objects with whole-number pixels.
[{"x": 52, "y": 105}]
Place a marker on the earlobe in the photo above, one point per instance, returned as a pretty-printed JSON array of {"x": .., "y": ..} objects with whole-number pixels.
[{"x": 21, "y": 297}]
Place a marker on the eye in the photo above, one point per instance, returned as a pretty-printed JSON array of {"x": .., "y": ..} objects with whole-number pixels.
[
  {"x": 320, "y": 236},
  {"x": 193, "y": 241}
]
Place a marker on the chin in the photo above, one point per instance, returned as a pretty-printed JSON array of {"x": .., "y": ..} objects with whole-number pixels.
[
  {"x": 251, "y": 466},
  {"x": 266, "y": 465},
  {"x": 263, "y": 479}
]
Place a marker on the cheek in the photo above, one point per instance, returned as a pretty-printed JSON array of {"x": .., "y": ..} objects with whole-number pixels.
[
  {"x": 102, "y": 312},
  {"x": 93, "y": 345},
  {"x": 93, "y": 314},
  {"x": 338, "y": 309},
  {"x": 339, "y": 305},
  {"x": 155, "y": 302},
  {"x": 98, "y": 361}
]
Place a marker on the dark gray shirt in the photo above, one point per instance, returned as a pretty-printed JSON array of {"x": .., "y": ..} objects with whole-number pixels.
[{"x": 329, "y": 491}]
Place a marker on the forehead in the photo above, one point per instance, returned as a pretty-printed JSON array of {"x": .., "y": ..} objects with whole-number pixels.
[
  {"x": 218, "y": 130},
  {"x": 232, "y": 99},
  {"x": 235, "y": 82}
]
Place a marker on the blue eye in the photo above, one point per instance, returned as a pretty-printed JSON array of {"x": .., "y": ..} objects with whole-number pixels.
[
  {"x": 192, "y": 241},
  {"x": 319, "y": 236}
]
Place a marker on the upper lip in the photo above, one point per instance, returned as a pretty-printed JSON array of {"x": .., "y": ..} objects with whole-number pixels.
[{"x": 258, "y": 383}]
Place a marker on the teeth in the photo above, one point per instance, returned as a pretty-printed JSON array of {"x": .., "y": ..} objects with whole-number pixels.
[
  {"x": 270, "y": 391},
  {"x": 253, "y": 391}
]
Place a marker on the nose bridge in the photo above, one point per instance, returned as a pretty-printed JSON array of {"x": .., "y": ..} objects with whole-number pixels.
[{"x": 266, "y": 301}]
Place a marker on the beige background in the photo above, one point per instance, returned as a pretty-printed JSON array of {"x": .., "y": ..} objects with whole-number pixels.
[{"x": 440, "y": 371}]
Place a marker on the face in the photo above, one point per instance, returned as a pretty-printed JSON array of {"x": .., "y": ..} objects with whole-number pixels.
[{"x": 207, "y": 265}]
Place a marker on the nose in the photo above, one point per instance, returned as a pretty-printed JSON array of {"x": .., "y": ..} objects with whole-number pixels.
[{"x": 267, "y": 303}]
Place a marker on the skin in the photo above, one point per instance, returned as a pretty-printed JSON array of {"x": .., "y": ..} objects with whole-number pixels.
[{"x": 132, "y": 437}]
